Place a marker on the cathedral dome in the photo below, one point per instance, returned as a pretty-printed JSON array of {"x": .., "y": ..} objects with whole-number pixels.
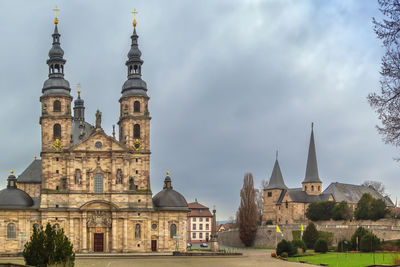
[
  {"x": 169, "y": 199},
  {"x": 12, "y": 197}
]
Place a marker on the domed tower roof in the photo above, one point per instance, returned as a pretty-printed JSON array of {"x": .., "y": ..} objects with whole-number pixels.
[
  {"x": 56, "y": 84},
  {"x": 12, "y": 197},
  {"x": 169, "y": 199},
  {"x": 134, "y": 85}
]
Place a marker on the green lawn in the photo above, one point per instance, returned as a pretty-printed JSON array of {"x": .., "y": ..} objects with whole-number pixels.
[{"x": 348, "y": 259}]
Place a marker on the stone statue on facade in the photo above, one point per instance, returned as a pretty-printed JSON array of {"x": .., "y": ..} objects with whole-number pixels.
[{"x": 98, "y": 119}]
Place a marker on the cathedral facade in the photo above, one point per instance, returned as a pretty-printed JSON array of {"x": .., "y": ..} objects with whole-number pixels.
[{"x": 94, "y": 186}]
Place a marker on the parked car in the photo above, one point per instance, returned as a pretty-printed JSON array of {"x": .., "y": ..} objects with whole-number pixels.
[
  {"x": 204, "y": 245},
  {"x": 189, "y": 245}
]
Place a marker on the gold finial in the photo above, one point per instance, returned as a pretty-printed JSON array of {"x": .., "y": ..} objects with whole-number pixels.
[
  {"x": 55, "y": 18},
  {"x": 79, "y": 88},
  {"x": 167, "y": 173},
  {"x": 34, "y": 156},
  {"x": 134, "y": 17},
  {"x": 12, "y": 172}
]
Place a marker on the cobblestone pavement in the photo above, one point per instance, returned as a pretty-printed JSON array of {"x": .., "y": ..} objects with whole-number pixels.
[{"x": 250, "y": 258}]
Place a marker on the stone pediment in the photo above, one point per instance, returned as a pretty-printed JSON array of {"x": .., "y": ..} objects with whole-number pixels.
[{"x": 99, "y": 141}]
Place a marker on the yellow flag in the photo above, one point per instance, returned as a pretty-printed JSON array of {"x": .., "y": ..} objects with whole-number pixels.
[
  {"x": 277, "y": 229},
  {"x": 302, "y": 228},
  {"x": 357, "y": 240}
]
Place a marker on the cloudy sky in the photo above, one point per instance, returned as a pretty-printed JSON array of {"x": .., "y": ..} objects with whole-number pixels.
[{"x": 230, "y": 83}]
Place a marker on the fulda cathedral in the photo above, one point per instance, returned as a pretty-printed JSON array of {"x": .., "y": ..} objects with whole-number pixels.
[{"x": 94, "y": 186}]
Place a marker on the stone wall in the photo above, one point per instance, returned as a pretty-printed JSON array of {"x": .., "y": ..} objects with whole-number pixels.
[{"x": 386, "y": 229}]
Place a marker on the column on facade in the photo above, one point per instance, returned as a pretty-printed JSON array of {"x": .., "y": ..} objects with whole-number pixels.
[
  {"x": 114, "y": 232},
  {"x": 125, "y": 248},
  {"x": 71, "y": 231},
  {"x": 126, "y": 172},
  {"x": 113, "y": 173},
  {"x": 84, "y": 173},
  {"x": 84, "y": 232}
]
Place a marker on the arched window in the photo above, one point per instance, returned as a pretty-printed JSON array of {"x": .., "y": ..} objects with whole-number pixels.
[
  {"x": 137, "y": 231},
  {"x": 136, "y": 131},
  {"x": 57, "y": 106},
  {"x": 11, "y": 231},
  {"x": 78, "y": 176},
  {"x": 136, "y": 106},
  {"x": 319, "y": 188},
  {"x": 312, "y": 188},
  {"x": 57, "y": 131},
  {"x": 98, "y": 183},
  {"x": 172, "y": 230}
]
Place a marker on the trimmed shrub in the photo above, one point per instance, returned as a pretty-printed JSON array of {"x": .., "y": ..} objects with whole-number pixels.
[
  {"x": 285, "y": 246},
  {"x": 360, "y": 232},
  {"x": 310, "y": 235},
  {"x": 296, "y": 234},
  {"x": 321, "y": 246},
  {"x": 297, "y": 243},
  {"x": 318, "y": 211},
  {"x": 327, "y": 236},
  {"x": 369, "y": 242},
  {"x": 343, "y": 245},
  {"x": 342, "y": 211},
  {"x": 284, "y": 254}
]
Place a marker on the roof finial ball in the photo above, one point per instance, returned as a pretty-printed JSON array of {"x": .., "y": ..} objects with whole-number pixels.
[
  {"x": 12, "y": 172},
  {"x": 79, "y": 88},
  {"x": 55, "y": 18},
  {"x": 134, "y": 18},
  {"x": 167, "y": 172}
]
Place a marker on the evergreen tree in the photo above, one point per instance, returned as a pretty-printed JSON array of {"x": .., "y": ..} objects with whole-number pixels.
[
  {"x": 369, "y": 208},
  {"x": 342, "y": 211},
  {"x": 357, "y": 236},
  {"x": 48, "y": 246},
  {"x": 247, "y": 214},
  {"x": 310, "y": 235}
]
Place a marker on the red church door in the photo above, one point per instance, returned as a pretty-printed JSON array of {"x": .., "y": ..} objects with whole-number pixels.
[{"x": 98, "y": 242}]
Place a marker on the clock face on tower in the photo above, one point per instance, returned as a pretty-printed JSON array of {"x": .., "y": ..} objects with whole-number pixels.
[{"x": 136, "y": 144}]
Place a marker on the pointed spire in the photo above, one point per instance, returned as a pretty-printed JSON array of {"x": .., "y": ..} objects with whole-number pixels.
[
  {"x": 56, "y": 84},
  {"x": 276, "y": 180},
  {"x": 312, "y": 166},
  {"x": 134, "y": 84}
]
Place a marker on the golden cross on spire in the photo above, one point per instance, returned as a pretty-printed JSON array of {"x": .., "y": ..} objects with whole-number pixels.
[
  {"x": 134, "y": 17},
  {"x": 55, "y": 18}
]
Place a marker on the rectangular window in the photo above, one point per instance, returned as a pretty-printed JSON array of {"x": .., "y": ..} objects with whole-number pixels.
[
  {"x": 194, "y": 219},
  {"x": 194, "y": 235},
  {"x": 201, "y": 219},
  {"x": 207, "y": 227},
  {"x": 98, "y": 183},
  {"x": 201, "y": 235},
  {"x": 207, "y": 219},
  {"x": 207, "y": 235},
  {"x": 194, "y": 227},
  {"x": 201, "y": 227},
  {"x": 269, "y": 194}
]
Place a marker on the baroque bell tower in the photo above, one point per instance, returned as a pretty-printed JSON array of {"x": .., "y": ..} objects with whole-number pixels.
[
  {"x": 56, "y": 119},
  {"x": 134, "y": 120}
]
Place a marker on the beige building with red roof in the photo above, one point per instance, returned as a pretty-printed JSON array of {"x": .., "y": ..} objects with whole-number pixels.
[{"x": 199, "y": 223}]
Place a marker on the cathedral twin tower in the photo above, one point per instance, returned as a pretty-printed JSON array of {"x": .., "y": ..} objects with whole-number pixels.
[{"x": 95, "y": 187}]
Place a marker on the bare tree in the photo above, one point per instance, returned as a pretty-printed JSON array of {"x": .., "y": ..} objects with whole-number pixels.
[
  {"x": 387, "y": 102},
  {"x": 378, "y": 186},
  {"x": 260, "y": 200},
  {"x": 247, "y": 212}
]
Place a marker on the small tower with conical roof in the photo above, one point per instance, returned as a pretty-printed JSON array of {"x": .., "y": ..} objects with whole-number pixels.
[
  {"x": 56, "y": 119},
  {"x": 79, "y": 108},
  {"x": 272, "y": 193},
  {"x": 312, "y": 185},
  {"x": 134, "y": 121}
]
